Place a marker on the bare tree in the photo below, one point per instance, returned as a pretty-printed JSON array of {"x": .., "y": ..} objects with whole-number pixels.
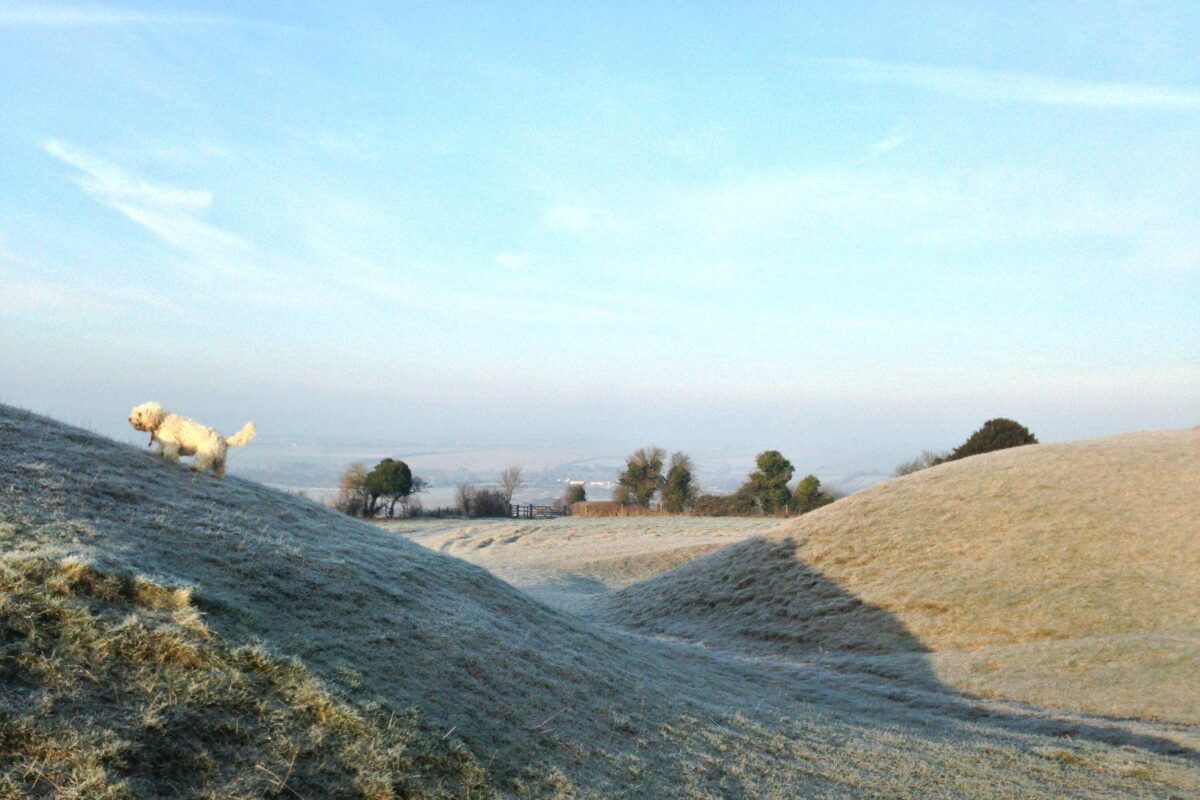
[
  {"x": 410, "y": 505},
  {"x": 927, "y": 459},
  {"x": 511, "y": 480},
  {"x": 464, "y": 498},
  {"x": 354, "y": 498}
]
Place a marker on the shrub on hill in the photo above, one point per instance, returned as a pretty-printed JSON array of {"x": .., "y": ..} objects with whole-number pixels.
[
  {"x": 995, "y": 434},
  {"x": 575, "y": 493},
  {"x": 737, "y": 504},
  {"x": 490, "y": 503}
]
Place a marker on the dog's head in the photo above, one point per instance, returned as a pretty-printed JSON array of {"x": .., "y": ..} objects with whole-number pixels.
[{"x": 147, "y": 416}]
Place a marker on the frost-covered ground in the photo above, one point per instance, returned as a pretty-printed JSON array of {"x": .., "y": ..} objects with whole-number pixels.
[{"x": 569, "y": 562}]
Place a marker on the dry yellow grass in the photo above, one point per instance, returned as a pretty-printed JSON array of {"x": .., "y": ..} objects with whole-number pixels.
[
  {"x": 1064, "y": 574},
  {"x": 611, "y": 508}
]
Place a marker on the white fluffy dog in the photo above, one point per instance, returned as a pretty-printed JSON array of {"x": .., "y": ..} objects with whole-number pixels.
[{"x": 179, "y": 436}]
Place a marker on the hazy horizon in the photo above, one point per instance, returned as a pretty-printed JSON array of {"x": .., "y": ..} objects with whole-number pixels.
[{"x": 846, "y": 233}]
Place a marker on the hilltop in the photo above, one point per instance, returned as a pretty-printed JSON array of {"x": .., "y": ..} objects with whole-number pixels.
[
  {"x": 1063, "y": 574},
  {"x": 166, "y": 633}
]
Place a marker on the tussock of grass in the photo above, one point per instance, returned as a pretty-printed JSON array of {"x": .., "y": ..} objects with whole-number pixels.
[{"x": 114, "y": 689}]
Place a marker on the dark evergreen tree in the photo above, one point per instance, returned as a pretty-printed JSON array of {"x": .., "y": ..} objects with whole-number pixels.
[
  {"x": 391, "y": 481},
  {"x": 808, "y": 495},
  {"x": 767, "y": 486},
  {"x": 996, "y": 434},
  {"x": 679, "y": 489}
]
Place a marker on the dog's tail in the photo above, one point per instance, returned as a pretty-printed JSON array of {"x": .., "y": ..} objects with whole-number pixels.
[{"x": 243, "y": 436}]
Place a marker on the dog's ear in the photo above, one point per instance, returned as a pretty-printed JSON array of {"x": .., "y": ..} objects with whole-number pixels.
[
  {"x": 147, "y": 416},
  {"x": 153, "y": 415}
]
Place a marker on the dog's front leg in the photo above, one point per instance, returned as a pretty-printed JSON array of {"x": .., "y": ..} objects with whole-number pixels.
[{"x": 169, "y": 451}]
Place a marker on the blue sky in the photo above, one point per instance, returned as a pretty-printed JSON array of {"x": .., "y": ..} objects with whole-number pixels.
[{"x": 836, "y": 228}]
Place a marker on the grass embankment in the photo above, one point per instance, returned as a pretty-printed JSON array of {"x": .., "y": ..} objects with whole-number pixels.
[
  {"x": 1065, "y": 575},
  {"x": 115, "y": 688}
]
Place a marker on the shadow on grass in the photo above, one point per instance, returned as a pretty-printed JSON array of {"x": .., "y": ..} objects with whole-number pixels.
[{"x": 786, "y": 608}]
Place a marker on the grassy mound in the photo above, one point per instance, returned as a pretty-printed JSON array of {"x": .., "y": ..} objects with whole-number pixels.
[
  {"x": 1064, "y": 574},
  {"x": 114, "y": 688}
]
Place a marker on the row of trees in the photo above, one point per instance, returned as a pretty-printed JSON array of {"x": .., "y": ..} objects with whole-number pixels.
[
  {"x": 649, "y": 475},
  {"x": 643, "y": 478},
  {"x": 765, "y": 491},
  {"x": 391, "y": 483},
  {"x": 767, "y": 487}
]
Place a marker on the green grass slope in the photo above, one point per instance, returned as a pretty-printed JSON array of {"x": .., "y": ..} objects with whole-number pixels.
[
  {"x": 1065, "y": 575},
  {"x": 166, "y": 634}
]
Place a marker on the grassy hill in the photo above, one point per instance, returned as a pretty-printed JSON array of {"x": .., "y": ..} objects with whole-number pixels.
[
  {"x": 1064, "y": 575},
  {"x": 166, "y": 634}
]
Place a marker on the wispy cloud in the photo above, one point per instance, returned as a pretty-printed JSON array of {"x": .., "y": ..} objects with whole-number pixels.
[
  {"x": 335, "y": 273},
  {"x": 172, "y": 214},
  {"x": 1017, "y": 87},
  {"x": 114, "y": 185},
  {"x": 175, "y": 216},
  {"x": 55, "y": 15}
]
